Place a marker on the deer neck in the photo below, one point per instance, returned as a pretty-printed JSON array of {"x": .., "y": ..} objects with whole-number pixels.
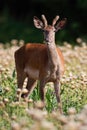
[
  {"x": 53, "y": 60},
  {"x": 52, "y": 53},
  {"x": 53, "y": 57}
]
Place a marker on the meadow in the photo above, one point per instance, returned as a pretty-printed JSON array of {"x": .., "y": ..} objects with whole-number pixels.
[{"x": 27, "y": 114}]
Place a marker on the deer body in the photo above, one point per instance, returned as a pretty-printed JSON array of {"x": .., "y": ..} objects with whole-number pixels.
[
  {"x": 33, "y": 60},
  {"x": 43, "y": 62}
]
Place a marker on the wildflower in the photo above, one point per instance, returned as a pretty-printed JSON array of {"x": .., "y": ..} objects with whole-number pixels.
[
  {"x": 79, "y": 40},
  {"x": 14, "y": 42},
  {"x": 5, "y": 100},
  {"x": 15, "y": 126},
  {"x": 24, "y": 91},
  {"x": 71, "y": 111},
  {"x": 7, "y": 89}
]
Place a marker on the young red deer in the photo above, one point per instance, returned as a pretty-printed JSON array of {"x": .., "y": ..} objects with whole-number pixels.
[{"x": 43, "y": 62}]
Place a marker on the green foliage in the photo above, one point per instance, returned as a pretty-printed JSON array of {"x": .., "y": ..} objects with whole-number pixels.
[
  {"x": 15, "y": 24},
  {"x": 82, "y": 4}
]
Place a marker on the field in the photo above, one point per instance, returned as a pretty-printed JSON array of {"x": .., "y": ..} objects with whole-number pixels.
[{"x": 27, "y": 114}]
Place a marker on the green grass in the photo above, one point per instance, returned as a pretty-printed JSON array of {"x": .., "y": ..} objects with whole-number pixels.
[{"x": 73, "y": 94}]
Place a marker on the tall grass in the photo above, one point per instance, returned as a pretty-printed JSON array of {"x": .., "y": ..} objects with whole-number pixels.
[{"x": 25, "y": 114}]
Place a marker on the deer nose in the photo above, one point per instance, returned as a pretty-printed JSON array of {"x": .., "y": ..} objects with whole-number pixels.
[{"x": 46, "y": 40}]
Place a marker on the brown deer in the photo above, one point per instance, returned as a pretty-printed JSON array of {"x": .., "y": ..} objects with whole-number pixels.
[{"x": 43, "y": 62}]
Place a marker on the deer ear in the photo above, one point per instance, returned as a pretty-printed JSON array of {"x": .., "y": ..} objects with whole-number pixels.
[
  {"x": 38, "y": 23},
  {"x": 60, "y": 24}
]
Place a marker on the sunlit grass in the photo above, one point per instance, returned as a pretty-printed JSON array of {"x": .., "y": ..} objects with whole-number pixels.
[{"x": 26, "y": 114}]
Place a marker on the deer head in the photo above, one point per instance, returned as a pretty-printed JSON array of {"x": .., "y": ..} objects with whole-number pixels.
[{"x": 49, "y": 30}]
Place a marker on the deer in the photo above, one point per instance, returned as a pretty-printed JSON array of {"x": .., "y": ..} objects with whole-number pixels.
[{"x": 42, "y": 62}]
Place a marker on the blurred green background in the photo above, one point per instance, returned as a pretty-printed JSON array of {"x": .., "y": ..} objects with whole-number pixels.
[{"x": 16, "y": 19}]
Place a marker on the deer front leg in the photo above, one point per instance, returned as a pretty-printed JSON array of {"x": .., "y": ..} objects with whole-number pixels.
[
  {"x": 57, "y": 92},
  {"x": 42, "y": 85},
  {"x": 20, "y": 80}
]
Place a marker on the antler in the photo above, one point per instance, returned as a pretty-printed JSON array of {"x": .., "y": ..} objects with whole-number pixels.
[
  {"x": 44, "y": 20},
  {"x": 55, "y": 20}
]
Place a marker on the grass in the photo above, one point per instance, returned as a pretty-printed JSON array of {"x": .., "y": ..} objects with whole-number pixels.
[{"x": 25, "y": 114}]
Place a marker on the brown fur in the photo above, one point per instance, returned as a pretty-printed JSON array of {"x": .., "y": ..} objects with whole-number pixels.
[
  {"x": 43, "y": 62},
  {"x": 35, "y": 55}
]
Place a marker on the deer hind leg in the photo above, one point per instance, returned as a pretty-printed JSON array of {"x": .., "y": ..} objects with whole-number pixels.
[
  {"x": 20, "y": 79},
  {"x": 30, "y": 86},
  {"x": 57, "y": 92}
]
